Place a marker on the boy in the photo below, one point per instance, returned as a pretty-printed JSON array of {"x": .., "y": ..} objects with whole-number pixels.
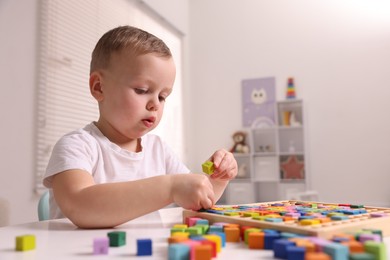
[{"x": 110, "y": 171}]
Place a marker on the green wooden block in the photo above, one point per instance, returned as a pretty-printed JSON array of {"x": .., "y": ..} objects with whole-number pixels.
[
  {"x": 117, "y": 238},
  {"x": 208, "y": 167},
  {"x": 194, "y": 230},
  {"x": 378, "y": 249},
  {"x": 204, "y": 228},
  {"x": 24, "y": 243},
  {"x": 361, "y": 256},
  {"x": 177, "y": 229}
]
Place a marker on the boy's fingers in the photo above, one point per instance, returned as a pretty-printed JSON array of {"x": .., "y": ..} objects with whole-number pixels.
[{"x": 217, "y": 157}]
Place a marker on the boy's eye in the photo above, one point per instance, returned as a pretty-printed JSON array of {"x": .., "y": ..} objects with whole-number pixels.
[
  {"x": 140, "y": 90},
  {"x": 162, "y": 98}
]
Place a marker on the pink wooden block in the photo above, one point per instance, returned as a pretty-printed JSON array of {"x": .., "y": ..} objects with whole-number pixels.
[
  {"x": 192, "y": 221},
  {"x": 101, "y": 245}
]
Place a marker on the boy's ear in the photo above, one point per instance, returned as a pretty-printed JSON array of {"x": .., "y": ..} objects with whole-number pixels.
[{"x": 95, "y": 85}]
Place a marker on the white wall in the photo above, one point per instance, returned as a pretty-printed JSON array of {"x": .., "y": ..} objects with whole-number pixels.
[
  {"x": 337, "y": 51},
  {"x": 17, "y": 73}
]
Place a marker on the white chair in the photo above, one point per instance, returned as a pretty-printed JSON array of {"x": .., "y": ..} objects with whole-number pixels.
[{"x": 44, "y": 207}]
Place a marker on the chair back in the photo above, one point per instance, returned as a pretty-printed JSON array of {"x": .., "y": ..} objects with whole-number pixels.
[{"x": 44, "y": 207}]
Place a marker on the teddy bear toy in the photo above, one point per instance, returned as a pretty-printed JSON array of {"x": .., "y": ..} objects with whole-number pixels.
[{"x": 240, "y": 146}]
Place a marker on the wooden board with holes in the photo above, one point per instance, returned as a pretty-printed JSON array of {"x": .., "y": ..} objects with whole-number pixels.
[{"x": 287, "y": 216}]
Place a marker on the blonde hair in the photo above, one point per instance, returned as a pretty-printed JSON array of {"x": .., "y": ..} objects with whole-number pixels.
[{"x": 136, "y": 40}]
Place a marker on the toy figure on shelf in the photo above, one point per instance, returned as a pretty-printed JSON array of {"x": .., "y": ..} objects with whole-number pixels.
[
  {"x": 240, "y": 145},
  {"x": 290, "y": 94}
]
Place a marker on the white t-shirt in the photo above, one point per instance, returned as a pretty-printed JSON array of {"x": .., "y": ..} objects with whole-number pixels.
[{"x": 88, "y": 149}]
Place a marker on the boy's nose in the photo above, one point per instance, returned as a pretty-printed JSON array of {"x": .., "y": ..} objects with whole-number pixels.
[{"x": 153, "y": 104}]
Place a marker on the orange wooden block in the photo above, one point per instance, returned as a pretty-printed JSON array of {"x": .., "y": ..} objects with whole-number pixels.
[
  {"x": 231, "y": 225},
  {"x": 213, "y": 246},
  {"x": 256, "y": 240},
  {"x": 325, "y": 220},
  {"x": 232, "y": 234},
  {"x": 317, "y": 256},
  {"x": 203, "y": 252},
  {"x": 176, "y": 239},
  {"x": 354, "y": 246},
  {"x": 308, "y": 245},
  {"x": 287, "y": 218}
]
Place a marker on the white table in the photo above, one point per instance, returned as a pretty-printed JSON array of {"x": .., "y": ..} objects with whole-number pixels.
[{"x": 60, "y": 239}]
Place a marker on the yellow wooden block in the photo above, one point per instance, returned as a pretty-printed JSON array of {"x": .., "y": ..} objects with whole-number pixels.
[
  {"x": 24, "y": 243},
  {"x": 181, "y": 234},
  {"x": 250, "y": 214},
  {"x": 180, "y": 226},
  {"x": 261, "y": 218},
  {"x": 215, "y": 238},
  {"x": 208, "y": 167},
  {"x": 309, "y": 222}
]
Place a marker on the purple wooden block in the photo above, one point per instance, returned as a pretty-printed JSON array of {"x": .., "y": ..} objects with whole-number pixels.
[
  {"x": 320, "y": 242},
  {"x": 294, "y": 215},
  {"x": 378, "y": 215},
  {"x": 101, "y": 245},
  {"x": 220, "y": 223},
  {"x": 369, "y": 237}
]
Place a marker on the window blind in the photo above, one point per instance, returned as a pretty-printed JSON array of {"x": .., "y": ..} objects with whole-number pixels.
[{"x": 68, "y": 32}]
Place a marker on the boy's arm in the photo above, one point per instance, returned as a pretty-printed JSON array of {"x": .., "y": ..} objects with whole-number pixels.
[{"x": 91, "y": 205}]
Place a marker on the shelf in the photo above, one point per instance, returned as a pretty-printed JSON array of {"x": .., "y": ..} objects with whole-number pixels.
[
  {"x": 264, "y": 154},
  {"x": 287, "y": 127},
  {"x": 241, "y": 155},
  {"x": 276, "y": 152},
  {"x": 299, "y": 153}
]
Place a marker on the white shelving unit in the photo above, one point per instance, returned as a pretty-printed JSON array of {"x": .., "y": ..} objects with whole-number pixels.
[{"x": 276, "y": 166}]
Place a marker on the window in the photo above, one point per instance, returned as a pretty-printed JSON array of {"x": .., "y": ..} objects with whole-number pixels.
[{"x": 69, "y": 31}]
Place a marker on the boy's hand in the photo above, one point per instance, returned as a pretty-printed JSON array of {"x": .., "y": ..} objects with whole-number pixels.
[
  {"x": 225, "y": 165},
  {"x": 192, "y": 191}
]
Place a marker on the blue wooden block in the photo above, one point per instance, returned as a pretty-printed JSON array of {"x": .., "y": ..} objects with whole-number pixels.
[
  {"x": 214, "y": 228},
  {"x": 197, "y": 237},
  {"x": 269, "y": 239},
  {"x": 202, "y": 222},
  {"x": 280, "y": 248},
  {"x": 178, "y": 252},
  {"x": 289, "y": 235},
  {"x": 296, "y": 253},
  {"x": 274, "y": 220},
  {"x": 336, "y": 251},
  {"x": 144, "y": 247},
  {"x": 339, "y": 217}
]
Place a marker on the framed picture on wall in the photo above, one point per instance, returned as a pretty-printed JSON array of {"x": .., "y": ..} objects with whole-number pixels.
[{"x": 258, "y": 102}]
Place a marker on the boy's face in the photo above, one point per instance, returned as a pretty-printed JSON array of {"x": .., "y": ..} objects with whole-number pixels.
[{"x": 132, "y": 94}]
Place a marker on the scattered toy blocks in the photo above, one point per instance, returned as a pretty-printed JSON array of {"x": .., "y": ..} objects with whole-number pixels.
[{"x": 25, "y": 243}]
